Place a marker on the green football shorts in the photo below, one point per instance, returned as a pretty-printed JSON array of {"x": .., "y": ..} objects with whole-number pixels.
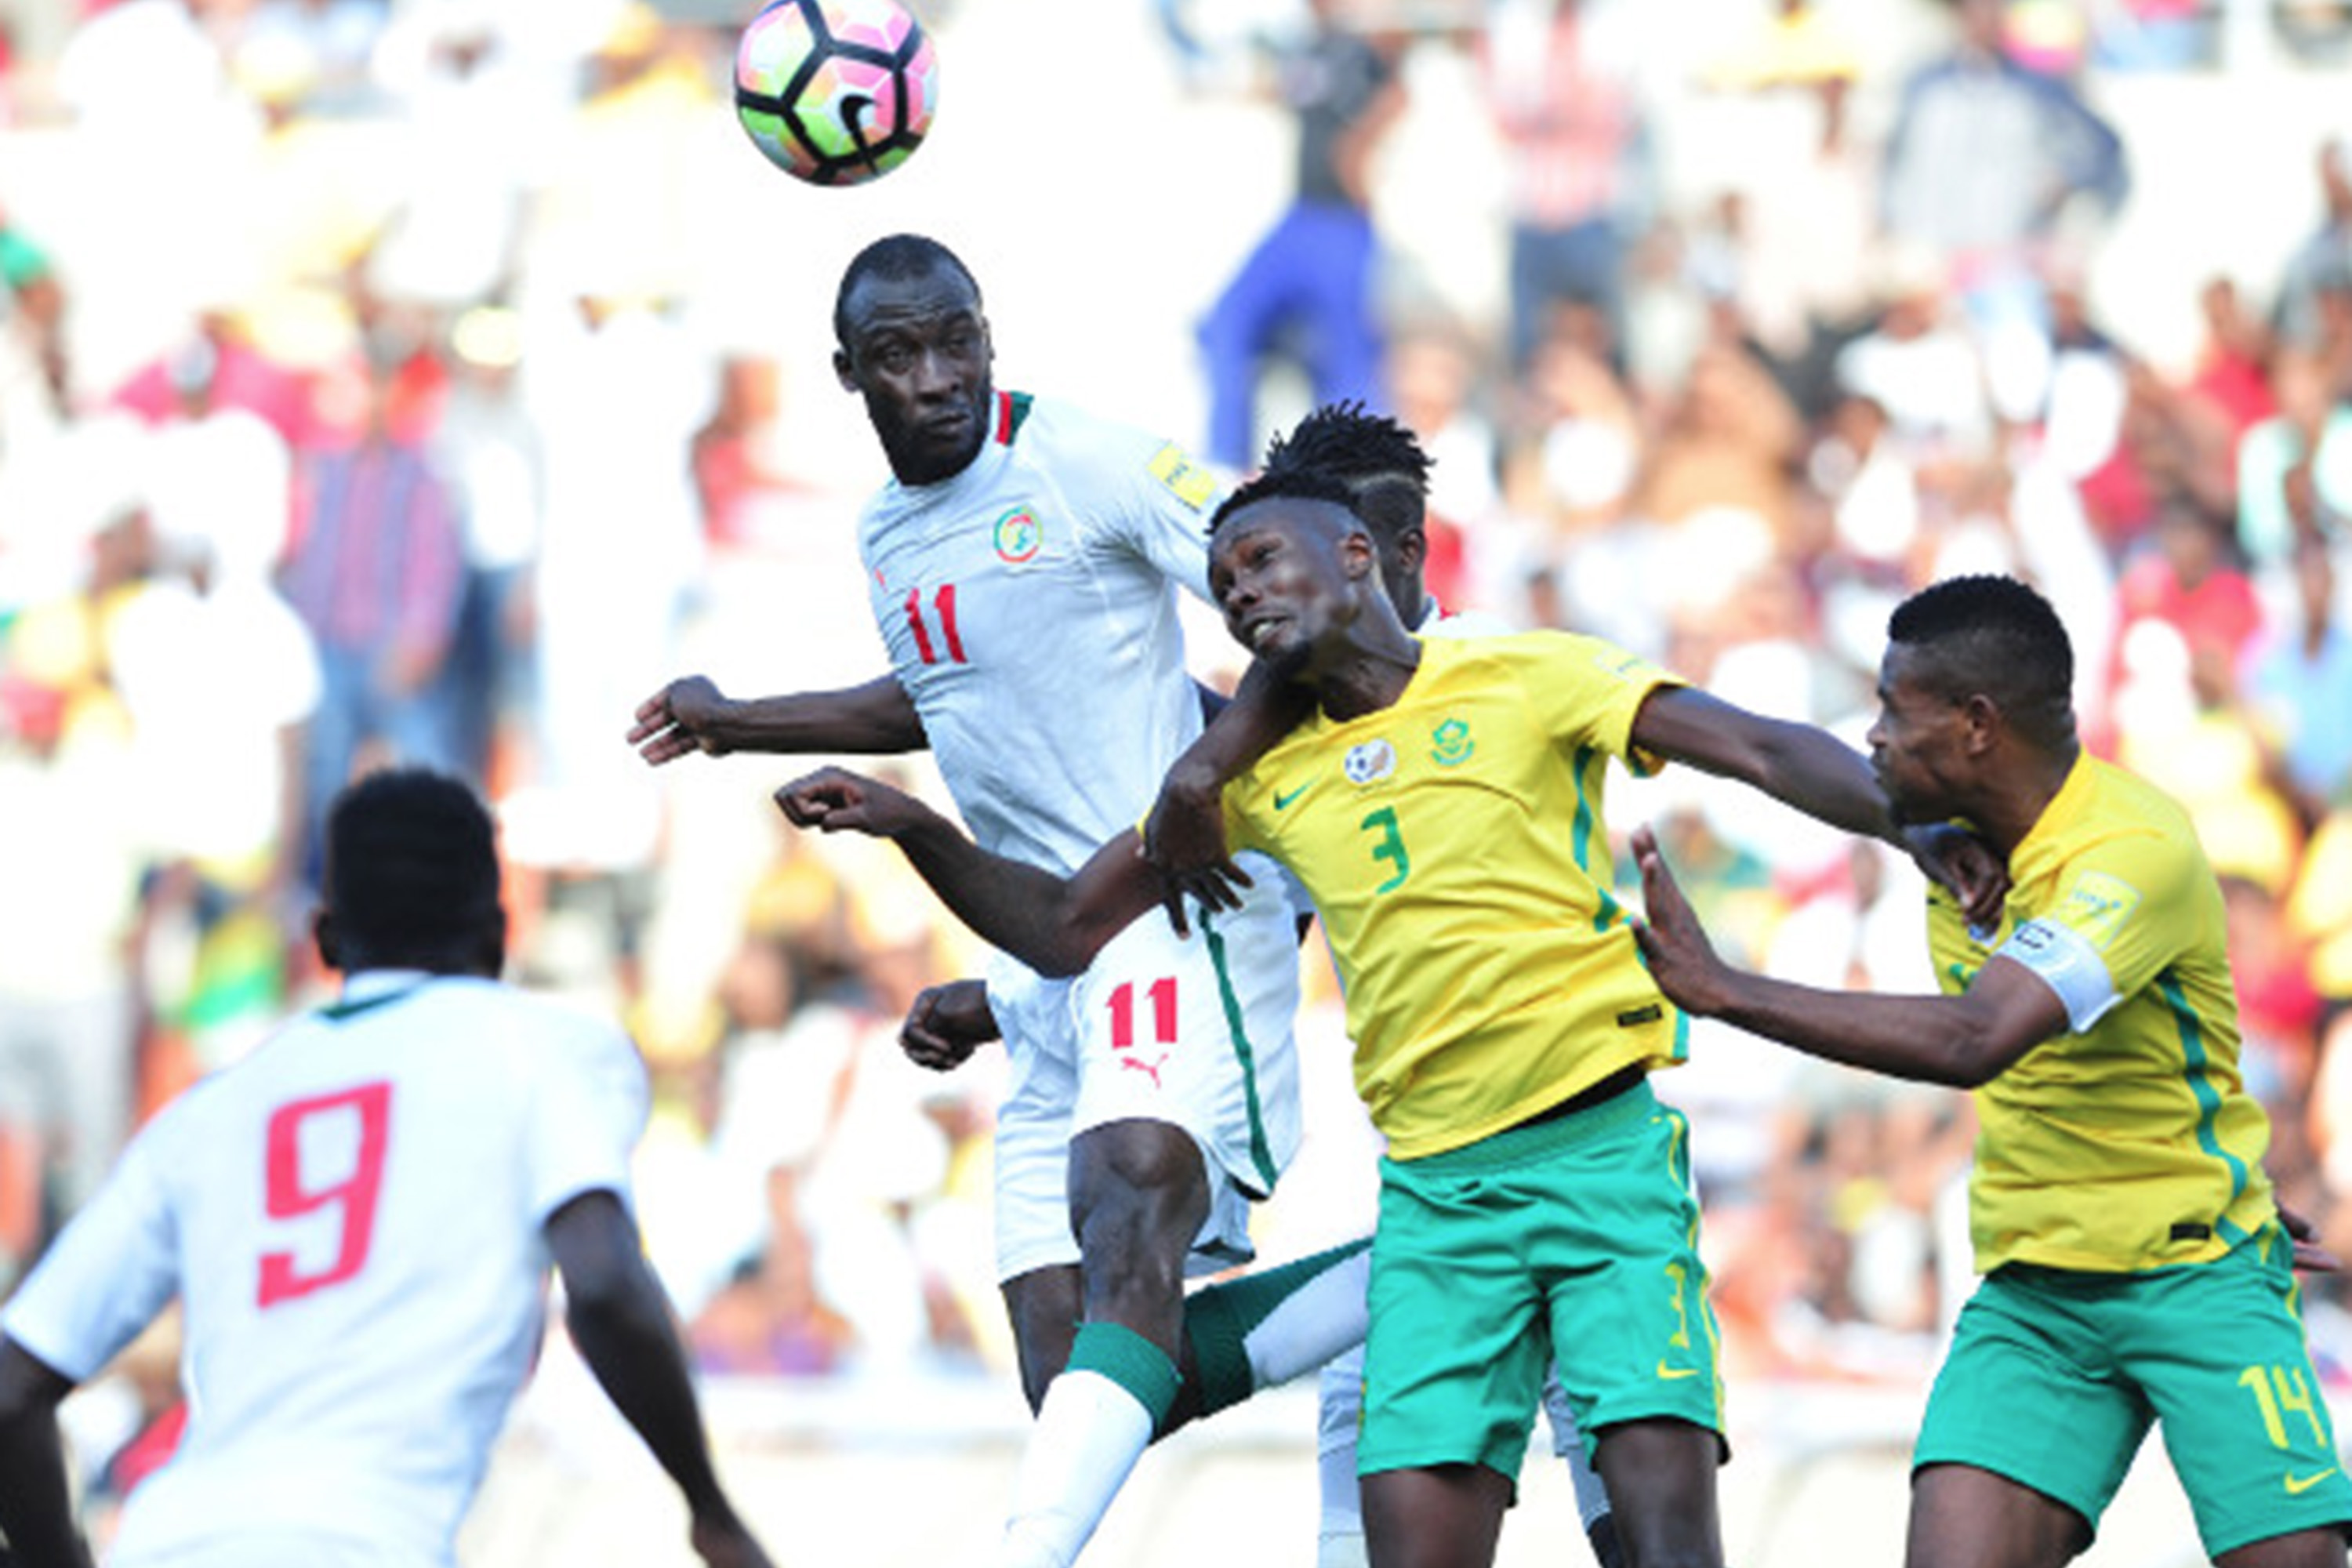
[
  {"x": 2055, "y": 1375},
  {"x": 1580, "y": 1231}
]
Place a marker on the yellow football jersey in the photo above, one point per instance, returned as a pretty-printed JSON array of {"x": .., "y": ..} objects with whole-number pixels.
[
  {"x": 1454, "y": 847},
  {"x": 2129, "y": 1142}
]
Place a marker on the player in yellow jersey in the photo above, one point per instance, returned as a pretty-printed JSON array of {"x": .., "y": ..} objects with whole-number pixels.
[
  {"x": 1443, "y": 808},
  {"x": 2136, "y": 1270}
]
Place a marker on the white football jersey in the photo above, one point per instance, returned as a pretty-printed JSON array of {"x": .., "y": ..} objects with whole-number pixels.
[
  {"x": 353, "y": 1218},
  {"x": 1029, "y": 608}
]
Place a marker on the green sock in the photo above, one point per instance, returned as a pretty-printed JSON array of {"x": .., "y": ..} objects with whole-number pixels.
[{"x": 1117, "y": 1353}]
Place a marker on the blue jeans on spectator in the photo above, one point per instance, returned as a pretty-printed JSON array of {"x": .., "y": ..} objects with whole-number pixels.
[
  {"x": 1583, "y": 262},
  {"x": 1309, "y": 284},
  {"x": 416, "y": 728}
]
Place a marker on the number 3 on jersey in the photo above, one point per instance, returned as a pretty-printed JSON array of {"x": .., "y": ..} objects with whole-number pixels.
[
  {"x": 1388, "y": 844},
  {"x": 347, "y": 1134},
  {"x": 942, "y": 609}
]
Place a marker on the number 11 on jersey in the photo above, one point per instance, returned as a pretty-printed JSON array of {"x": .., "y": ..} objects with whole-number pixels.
[{"x": 943, "y": 610}]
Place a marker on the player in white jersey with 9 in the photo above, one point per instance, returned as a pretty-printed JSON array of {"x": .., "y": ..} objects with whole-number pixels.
[
  {"x": 1022, "y": 564},
  {"x": 359, "y": 1221}
]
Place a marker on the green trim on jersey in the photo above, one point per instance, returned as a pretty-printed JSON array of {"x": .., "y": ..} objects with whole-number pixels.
[
  {"x": 1609, "y": 912},
  {"x": 343, "y": 1012},
  {"x": 2197, "y": 1073},
  {"x": 1237, "y": 1030},
  {"x": 1016, "y": 413}
]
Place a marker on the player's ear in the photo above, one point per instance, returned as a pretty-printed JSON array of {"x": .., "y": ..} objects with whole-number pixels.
[
  {"x": 494, "y": 945},
  {"x": 1412, "y": 549},
  {"x": 322, "y": 935},
  {"x": 844, "y": 372}
]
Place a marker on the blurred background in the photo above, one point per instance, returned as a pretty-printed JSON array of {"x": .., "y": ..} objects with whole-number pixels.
[{"x": 434, "y": 378}]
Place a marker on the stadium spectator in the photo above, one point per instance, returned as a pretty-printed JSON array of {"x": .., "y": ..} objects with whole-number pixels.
[
  {"x": 376, "y": 570},
  {"x": 1986, "y": 157},
  {"x": 1307, "y": 290},
  {"x": 2321, "y": 265},
  {"x": 1559, "y": 83}
]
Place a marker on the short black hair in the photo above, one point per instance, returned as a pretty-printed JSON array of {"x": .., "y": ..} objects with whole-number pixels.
[
  {"x": 1291, "y": 484},
  {"x": 1381, "y": 460},
  {"x": 895, "y": 257},
  {"x": 1994, "y": 635},
  {"x": 412, "y": 871}
]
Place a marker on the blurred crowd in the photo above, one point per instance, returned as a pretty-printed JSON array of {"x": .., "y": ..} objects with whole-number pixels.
[{"x": 396, "y": 440}]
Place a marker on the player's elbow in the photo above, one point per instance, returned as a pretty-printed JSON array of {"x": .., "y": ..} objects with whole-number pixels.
[
  {"x": 1969, "y": 1053},
  {"x": 30, "y": 1392},
  {"x": 597, "y": 1255}
]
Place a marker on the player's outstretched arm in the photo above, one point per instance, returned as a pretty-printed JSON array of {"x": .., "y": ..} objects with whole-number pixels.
[
  {"x": 691, "y": 714},
  {"x": 1806, "y": 767},
  {"x": 1054, "y": 925},
  {"x": 1964, "y": 1040},
  {"x": 1184, "y": 836},
  {"x": 621, "y": 1320},
  {"x": 36, "y": 1499}
]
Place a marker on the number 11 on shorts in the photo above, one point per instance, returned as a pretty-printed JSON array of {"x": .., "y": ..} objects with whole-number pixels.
[{"x": 1144, "y": 1056}]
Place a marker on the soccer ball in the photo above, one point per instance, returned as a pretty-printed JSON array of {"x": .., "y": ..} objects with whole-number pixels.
[{"x": 835, "y": 92}]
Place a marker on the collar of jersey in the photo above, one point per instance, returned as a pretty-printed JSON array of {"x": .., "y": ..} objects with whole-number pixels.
[{"x": 373, "y": 987}]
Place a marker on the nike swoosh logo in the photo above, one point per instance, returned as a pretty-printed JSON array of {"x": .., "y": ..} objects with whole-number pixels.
[
  {"x": 1281, "y": 802},
  {"x": 1671, "y": 1373},
  {"x": 2298, "y": 1485}
]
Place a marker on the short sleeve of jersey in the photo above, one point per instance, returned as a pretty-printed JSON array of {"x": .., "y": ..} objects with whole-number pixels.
[
  {"x": 1147, "y": 493},
  {"x": 1591, "y": 687},
  {"x": 2116, "y": 927},
  {"x": 111, "y": 1271},
  {"x": 588, "y": 1107}
]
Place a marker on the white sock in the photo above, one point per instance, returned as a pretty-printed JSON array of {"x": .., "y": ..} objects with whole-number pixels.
[
  {"x": 1568, "y": 1442},
  {"x": 1340, "y": 1539},
  {"x": 1322, "y": 1319},
  {"x": 1267, "y": 1327},
  {"x": 1089, "y": 1433}
]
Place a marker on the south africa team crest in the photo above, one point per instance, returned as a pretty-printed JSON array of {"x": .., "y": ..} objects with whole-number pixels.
[{"x": 1019, "y": 536}]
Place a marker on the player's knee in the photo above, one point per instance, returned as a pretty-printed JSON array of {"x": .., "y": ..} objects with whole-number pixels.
[{"x": 1138, "y": 1194}]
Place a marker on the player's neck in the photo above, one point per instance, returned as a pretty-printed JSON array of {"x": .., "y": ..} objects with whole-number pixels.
[
  {"x": 2021, "y": 796},
  {"x": 1368, "y": 677}
]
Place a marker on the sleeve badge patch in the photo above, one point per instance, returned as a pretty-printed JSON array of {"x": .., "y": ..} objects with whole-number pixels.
[
  {"x": 1186, "y": 479},
  {"x": 2098, "y": 905}
]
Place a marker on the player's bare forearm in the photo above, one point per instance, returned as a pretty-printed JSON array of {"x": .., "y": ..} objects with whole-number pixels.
[
  {"x": 36, "y": 1497},
  {"x": 1054, "y": 926},
  {"x": 875, "y": 719},
  {"x": 691, "y": 714},
  {"x": 1815, "y": 773},
  {"x": 620, "y": 1323},
  {"x": 1962, "y": 1040},
  {"x": 1798, "y": 765}
]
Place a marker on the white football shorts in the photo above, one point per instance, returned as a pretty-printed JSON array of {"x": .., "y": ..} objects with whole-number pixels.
[{"x": 1192, "y": 1031}]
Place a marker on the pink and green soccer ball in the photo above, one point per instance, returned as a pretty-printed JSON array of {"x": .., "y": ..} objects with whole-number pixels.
[{"x": 835, "y": 92}]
